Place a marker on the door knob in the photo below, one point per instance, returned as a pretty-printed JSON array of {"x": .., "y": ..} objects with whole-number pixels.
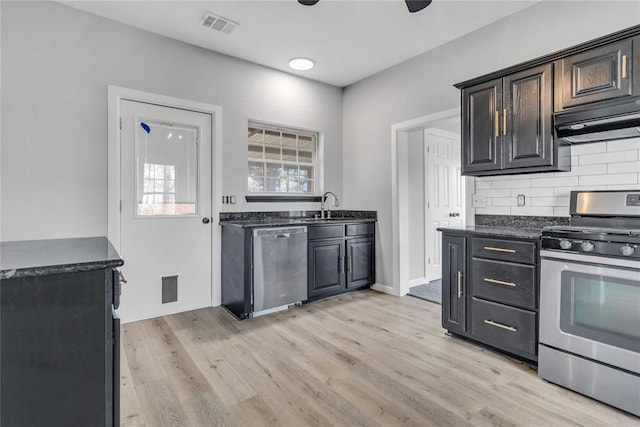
[{"x": 206, "y": 220}]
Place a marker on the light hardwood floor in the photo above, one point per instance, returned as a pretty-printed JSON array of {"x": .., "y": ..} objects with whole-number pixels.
[{"x": 365, "y": 358}]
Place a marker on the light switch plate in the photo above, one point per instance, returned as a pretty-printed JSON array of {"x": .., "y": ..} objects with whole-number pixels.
[
  {"x": 479, "y": 201},
  {"x": 521, "y": 200}
]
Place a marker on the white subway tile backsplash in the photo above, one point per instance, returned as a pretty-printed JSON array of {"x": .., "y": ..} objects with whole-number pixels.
[
  {"x": 623, "y": 187},
  {"x": 494, "y": 193},
  {"x": 555, "y": 182},
  {"x": 533, "y": 192},
  {"x": 532, "y": 210},
  {"x": 514, "y": 183},
  {"x": 624, "y": 144},
  {"x": 618, "y": 178},
  {"x": 623, "y": 167},
  {"x": 503, "y": 201},
  {"x": 494, "y": 210},
  {"x": 595, "y": 169},
  {"x": 561, "y": 211},
  {"x": 613, "y": 157},
  {"x": 594, "y": 166},
  {"x": 482, "y": 184},
  {"x": 596, "y": 147},
  {"x": 550, "y": 201}
]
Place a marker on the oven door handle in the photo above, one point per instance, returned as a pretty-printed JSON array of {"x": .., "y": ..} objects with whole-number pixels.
[{"x": 590, "y": 259}]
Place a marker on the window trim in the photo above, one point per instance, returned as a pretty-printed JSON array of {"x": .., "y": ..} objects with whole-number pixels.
[{"x": 318, "y": 166}]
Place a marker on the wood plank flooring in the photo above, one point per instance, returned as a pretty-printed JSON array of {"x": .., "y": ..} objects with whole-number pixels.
[{"x": 365, "y": 358}]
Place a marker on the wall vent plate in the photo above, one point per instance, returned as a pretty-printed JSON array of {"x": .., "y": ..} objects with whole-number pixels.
[
  {"x": 218, "y": 23},
  {"x": 169, "y": 289}
]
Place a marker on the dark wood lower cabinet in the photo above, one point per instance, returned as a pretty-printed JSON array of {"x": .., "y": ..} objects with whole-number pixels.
[
  {"x": 341, "y": 258},
  {"x": 453, "y": 289},
  {"x": 60, "y": 336},
  {"x": 326, "y": 267},
  {"x": 490, "y": 289}
]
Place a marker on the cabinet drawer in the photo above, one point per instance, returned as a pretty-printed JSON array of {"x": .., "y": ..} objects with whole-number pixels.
[
  {"x": 325, "y": 231},
  {"x": 360, "y": 229},
  {"x": 504, "y": 282},
  {"x": 507, "y": 328},
  {"x": 504, "y": 250}
]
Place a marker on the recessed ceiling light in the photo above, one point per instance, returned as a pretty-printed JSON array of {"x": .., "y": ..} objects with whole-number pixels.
[{"x": 301, "y": 64}]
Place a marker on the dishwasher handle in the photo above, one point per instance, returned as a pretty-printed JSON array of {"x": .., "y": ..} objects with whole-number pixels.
[{"x": 278, "y": 233}]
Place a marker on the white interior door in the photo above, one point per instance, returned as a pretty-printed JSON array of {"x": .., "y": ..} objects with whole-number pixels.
[
  {"x": 445, "y": 197},
  {"x": 166, "y": 209}
]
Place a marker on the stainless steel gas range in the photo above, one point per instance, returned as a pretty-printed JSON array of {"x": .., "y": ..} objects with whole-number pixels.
[{"x": 590, "y": 299}]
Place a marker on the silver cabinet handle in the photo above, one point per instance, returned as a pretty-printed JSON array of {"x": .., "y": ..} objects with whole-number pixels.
[
  {"x": 491, "y": 248},
  {"x": 500, "y": 282},
  {"x": 459, "y": 284},
  {"x": 500, "y": 325}
]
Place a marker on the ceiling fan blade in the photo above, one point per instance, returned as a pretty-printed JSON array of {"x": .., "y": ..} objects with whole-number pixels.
[
  {"x": 310, "y": 2},
  {"x": 416, "y": 5}
]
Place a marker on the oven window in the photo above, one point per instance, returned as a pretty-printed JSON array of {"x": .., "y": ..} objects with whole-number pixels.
[{"x": 601, "y": 308}]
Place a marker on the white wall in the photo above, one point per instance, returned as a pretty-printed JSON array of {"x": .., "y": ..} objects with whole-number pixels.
[
  {"x": 417, "y": 219},
  {"x": 610, "y": 165},
  {"x": 56, "y": 65},
  {"x": 424, "y": 85}
]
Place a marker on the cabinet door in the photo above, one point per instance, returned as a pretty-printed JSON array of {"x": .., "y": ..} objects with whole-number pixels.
[
  {"x": 326, "y": 267},
  {"x": 481, "y": 141},
  {"x": 453, "y": 283},
  {"x": 595, "y": 75},
  {"x": 526, "y": 127},
  {"x": 360, "y": 262}
]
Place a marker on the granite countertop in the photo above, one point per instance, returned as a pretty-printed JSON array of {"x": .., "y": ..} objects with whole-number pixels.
[
  {"x": 489, "y": 230},
  {"x": 42, "y": 257},
  {"x": 292, "y": 222}
]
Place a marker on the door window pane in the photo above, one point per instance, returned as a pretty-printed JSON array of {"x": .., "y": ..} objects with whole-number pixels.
[{"x": 166, "y": 169}]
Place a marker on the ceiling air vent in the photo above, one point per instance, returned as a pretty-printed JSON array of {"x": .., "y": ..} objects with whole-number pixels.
[{"x": 219, "y": 23}]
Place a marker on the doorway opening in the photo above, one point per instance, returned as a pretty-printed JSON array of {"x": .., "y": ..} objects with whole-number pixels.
[{"x": 428, "y": 192}]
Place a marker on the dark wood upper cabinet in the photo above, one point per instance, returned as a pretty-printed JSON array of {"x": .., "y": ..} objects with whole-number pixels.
[
  {"x": 482, "y": 149},
  {"x": 507, "y": 115},
  {"x": 527, "y": 128},
  {"x": 595, "y": 75},
  {"x": 506, "y": 125}
]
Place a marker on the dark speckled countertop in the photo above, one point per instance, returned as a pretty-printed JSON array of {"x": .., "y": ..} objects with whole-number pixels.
[
  {"x": 292, "y": 222},
  {"x": 42, "y": 257},
  {"x": 496, "y": 231}
]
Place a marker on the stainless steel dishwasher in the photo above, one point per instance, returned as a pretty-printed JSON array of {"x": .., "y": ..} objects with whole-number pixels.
[{"x": 279, "y": 268}]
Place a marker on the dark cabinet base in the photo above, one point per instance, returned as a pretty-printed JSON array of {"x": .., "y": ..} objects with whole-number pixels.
[{"x": 58, "y": 358}]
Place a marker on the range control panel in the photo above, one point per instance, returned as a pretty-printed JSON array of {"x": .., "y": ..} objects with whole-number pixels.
[{"x": 633, "y": 199}]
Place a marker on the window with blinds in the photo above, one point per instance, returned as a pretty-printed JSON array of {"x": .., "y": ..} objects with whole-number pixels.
[{"x": 281, "y": 160}]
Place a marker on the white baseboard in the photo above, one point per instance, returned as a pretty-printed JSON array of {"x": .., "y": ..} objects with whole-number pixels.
[
  {"x": 384, "y": 288},
  {"x": 418, "y": 281}
]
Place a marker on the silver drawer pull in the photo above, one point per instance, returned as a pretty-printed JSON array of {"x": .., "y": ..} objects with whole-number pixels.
[
  {"x": 491, "y": 248},
  {"x": 500, "y": 325},
  {"x": 500, "y": 282}
]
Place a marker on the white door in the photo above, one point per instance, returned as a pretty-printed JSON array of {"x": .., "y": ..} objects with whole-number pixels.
[
  {"x": 445, "y": 193},
  {"x": 166, "y": 209}
]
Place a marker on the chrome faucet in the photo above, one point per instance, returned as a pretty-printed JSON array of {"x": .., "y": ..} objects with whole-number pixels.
[{"x": 336, "y": 203}]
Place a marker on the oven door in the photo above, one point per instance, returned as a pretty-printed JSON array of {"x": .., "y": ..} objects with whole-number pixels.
[{"x": 590, "y": 306}]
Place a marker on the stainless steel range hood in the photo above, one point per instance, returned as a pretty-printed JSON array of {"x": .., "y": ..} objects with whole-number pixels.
[{"x": 617, "y": 119}]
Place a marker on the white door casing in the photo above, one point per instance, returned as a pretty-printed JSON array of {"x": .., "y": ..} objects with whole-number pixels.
[
  {"x": 207, "y": 291},
  {"x": 445, "y": 193}
]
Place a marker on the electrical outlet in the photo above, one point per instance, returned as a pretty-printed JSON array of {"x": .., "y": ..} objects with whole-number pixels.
[{"x": 521, "y": 200}]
